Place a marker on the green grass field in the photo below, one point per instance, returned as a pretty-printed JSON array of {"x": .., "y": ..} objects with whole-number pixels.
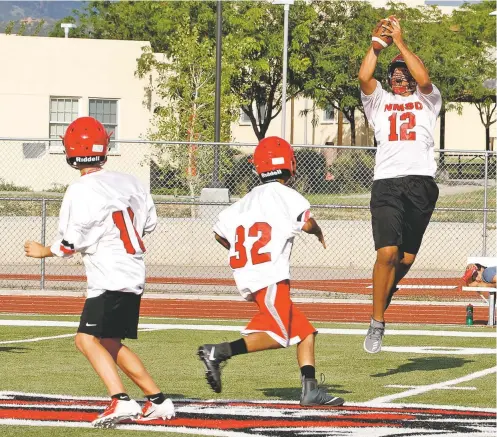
[{"x": 53, "y": 366}]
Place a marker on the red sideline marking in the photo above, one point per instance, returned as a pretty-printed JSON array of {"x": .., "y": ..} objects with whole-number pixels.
[
  {"x": 322, "y": 312},
  {"x": 353, "y": 286},
  {"x": 222, "y": 416}
]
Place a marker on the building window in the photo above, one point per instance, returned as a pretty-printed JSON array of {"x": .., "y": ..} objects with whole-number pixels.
[
  {"x": 245, "y": 120},
  {"x": 329, "y": 114},
  {"x": 105, "y": 111},
  {"x": 63, "y": 110}
]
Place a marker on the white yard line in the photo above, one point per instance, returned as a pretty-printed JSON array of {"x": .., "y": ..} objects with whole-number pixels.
[
  {"x": 426, "y": 388},
  {"x": 32, "y": 340},
  {"x": 237, "y": 328},
  {"x": 431, "y": 287},
  {"x": 443, "y": 388},
  {"x": 164, "y": 429},
  {"x": 440, "y": 350},
  {"x": 55, "y": 337}
]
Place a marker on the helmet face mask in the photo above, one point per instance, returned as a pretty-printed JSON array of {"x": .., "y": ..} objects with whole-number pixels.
[
  {"x": 86, "y": 143},
  {"x": 402, "y": 81},
  {"x": 400, "y": 78}
]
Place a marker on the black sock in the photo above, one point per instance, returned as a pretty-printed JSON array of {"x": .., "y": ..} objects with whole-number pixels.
[
  {"x": 308, "y": 372},
  {"x": 238, "y": 347},
  {"x": 121, "y": 397},
  {"x": 157, "y": 398}
]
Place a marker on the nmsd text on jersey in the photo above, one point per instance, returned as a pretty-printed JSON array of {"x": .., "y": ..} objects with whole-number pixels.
[{"x": 403, "y": 106}]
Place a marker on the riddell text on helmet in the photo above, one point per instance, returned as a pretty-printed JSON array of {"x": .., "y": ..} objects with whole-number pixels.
[
  {"x": 271, "y": 173},
  {"x": 87, "y": 159}
]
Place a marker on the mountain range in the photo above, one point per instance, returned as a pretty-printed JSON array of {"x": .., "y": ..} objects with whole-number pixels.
[{"x": 34, "y": 11}]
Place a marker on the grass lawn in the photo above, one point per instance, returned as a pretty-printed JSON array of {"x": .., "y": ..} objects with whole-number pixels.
[{"x": 51, "y": 366}]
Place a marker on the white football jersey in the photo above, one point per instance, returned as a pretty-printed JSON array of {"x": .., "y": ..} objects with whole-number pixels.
[
  {"x": 260, "y": 228},
  {"x": 404, "y": 129},
  {"x": 103, "y": 216}
]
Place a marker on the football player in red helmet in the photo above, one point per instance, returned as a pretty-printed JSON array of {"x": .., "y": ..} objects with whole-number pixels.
[
  {"x": 404, "y": 192},
  {"x": 86, "y": 143},
  {"x": 258, "y": 231},
  {"x": 274, "y": 159},
  {"x": 104, "y": 215}
]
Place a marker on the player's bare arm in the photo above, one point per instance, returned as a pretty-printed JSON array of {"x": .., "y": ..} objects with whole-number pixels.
[
  {"x": 222, "y": 241},
  {"x": 33, "y": 249},
  {"x": 366, "y": 79},
  {"x": 416, "y": 67},
  {"x": 312, "y": 227}
]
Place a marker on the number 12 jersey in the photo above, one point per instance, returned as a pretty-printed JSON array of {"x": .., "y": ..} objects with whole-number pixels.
[
  {"x": 404, "y": 129},
  {"x": 260, "y": 229}
]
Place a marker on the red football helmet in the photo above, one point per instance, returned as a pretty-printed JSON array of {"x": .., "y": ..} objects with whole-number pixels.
[
  {"x": 272, "y": 155},
  {"x": 398, "y": 62},
  {"x": 86, "y": 142}
]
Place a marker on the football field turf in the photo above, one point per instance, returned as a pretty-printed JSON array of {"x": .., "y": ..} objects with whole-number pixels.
[{"x": 421, "y": 366}]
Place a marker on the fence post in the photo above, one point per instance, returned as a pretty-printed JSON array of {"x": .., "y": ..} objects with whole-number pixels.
[
  {"x": 43, "y": 233},
  {"x": 485, "y": 204}
]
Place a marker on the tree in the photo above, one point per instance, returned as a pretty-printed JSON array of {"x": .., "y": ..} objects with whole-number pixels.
[
  {"x": 185, "y": 85},
  {"x": 252, "y": 41},
  {"x": 152, "y": 21},
  {"x": 24, "y": 27},
  {"x": 254, "y": 35},
  {"x": 341, "y": 37},
  {"x": 474, "y": 24}
]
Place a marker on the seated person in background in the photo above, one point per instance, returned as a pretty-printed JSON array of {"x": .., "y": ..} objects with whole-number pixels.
[{"x": 477, "y": 275}]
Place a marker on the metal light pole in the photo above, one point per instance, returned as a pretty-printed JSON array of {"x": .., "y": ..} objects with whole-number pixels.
[
  {"x": 217, "y": 104},
  {"x": 286, "y": 4}
]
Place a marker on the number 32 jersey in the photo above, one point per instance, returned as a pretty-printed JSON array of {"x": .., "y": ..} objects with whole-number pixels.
[
  {"x": 404, "y": 129},
  {"x": 260, "y": 229},
  {"x": 104, "y": 216}
]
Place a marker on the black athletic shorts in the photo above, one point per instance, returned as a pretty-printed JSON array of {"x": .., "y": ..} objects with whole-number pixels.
[
  {"x": 113, "y": 314},
  {"x": 401, "y": 209}
]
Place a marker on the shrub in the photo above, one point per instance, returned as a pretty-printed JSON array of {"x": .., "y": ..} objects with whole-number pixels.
[
  {"x": 311, "y": 172},
  {"x": 9, "y": 186},
  {"x": 242, "y": 177},
  {"x": 353, "y": 171}
]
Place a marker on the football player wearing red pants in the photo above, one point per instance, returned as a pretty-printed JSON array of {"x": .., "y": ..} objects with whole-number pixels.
[
  {"x": 404, "y": 191},
  {"x": 103, "y": 216},
  {"x": 258, "y": 231}
]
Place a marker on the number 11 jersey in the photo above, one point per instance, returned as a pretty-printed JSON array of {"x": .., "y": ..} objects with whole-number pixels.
[
  {"x": 261, "y": 228},
  {"x": 404, "y": 131},
  {"x": 104, "y": 216}
]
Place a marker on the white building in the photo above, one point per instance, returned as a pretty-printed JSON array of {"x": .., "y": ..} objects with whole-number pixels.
[{"x": 45, "y": 83}]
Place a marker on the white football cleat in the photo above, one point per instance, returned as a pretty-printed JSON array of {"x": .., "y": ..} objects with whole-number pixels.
[
  {"x": 153, "y": 411},
  {"x": 117, "y": 411}
]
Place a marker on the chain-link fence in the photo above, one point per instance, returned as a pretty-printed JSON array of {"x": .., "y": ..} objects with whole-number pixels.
[{"x": 192, "y": 183}]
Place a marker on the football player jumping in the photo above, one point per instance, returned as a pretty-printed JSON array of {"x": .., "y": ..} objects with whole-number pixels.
[
  {"x": 258, "y": 231},
  {"x": 404, "y": 191},
  {"x": 103, "y": 216}
]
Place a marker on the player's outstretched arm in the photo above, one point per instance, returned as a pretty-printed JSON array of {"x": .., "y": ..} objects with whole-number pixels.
[
  {"x": 366, "y": 79},
  {"x": 33, "y": 249},
  {"x": 414, "y": 64},
  {"x": 222, "y": 241},
  {"x": 312, "y": 227}
]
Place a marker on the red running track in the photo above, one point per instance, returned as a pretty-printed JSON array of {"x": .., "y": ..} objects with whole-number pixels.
[{"x": 217, "y": 309}]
